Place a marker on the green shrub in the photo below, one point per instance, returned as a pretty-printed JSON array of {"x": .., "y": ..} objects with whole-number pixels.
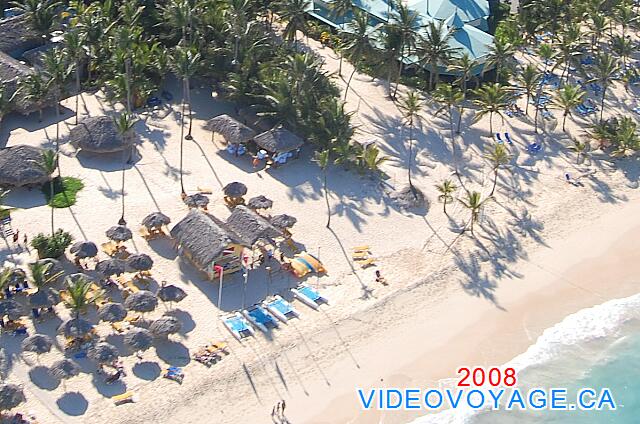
[
  {"x": 64, "y": 191},
  {"x": 51, "y": 246}
]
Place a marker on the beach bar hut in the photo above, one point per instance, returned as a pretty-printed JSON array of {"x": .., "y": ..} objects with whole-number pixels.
[
  {"x": 232, "y": 130},
  {"x": 281, "y": 143},
  {"x": 99, "y": 134},
  {"x": 208, "y": 243},
  {"x": 251, "y": 226},
  {"x": 22, "y": 166}
]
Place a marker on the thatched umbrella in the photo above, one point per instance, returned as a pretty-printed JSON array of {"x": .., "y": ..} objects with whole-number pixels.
[
  {"x": 283, "y": 221},
  {"x": 155, "y": 220},
  {"x": 138, "y": 339},
  {"x": 235, "y": 189},
  {"x": 119, "y": 233},
  {"x": 111, "y": 267},
  {"x": 99, "y": 134},
  {"x": 63, "y": 370},
  {"x": 11, "y": 395},
  {"x": 164, "y": 326},
  {"x": 84, "y": 249},
  {"x": 112, "y": 312},
  {"x": 142, "y": 301},
  {"x": 44, "y": 298},
  {"x": 103, "y": 353},
  {"x": 259, "y": 202},
  {"x": 197, "y": 200},
  {"x": 278, "y": 140},
  {"x": 12, "y": 309},
  {"x": 37, "y": 343},
  {"x": 171, "y": 294},
  {"x": 76, "y": 276},
  {"x": 22, "y": 165},
  {"x": 75, "y": 327},
  {"x": 140, "y": 262},
  {"x": 233, "y": 131}
]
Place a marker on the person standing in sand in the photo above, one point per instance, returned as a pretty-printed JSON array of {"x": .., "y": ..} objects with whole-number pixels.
[{"x": 16, "y": 235}]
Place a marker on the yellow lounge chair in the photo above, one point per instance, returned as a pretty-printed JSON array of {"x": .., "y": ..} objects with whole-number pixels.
[
  {"x": 367, "y": 262},
  {"x": 359, "y": 255},
  {"x": 364, "y": 248},
  {"x": 109, "y": 248},
  {"x": 120, "y": 326},
  {"x": 126, "y": 397},
  {"x": 205, "y": 190},
  {"x": 144, "y": 233},
  {"x": 132, "y": 317}
]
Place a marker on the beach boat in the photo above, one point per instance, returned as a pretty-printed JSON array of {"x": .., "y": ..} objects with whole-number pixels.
[
  {"x": 308, "y": 296},
  {"x": 238, "y": 326},
  {"x": 304, "y": 263},
  {"x": 281, "y": 309},
  {"x": 260, "y": 318}
]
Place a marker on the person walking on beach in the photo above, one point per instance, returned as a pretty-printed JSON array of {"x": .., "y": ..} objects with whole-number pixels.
[
  {"x": 16, "y": 235},
  {"x": 282, "y": 406},
  {"x": 25, "y": 239}
]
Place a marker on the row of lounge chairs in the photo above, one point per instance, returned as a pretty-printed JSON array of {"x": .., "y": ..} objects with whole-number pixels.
[{"x": 270, "y": 313}]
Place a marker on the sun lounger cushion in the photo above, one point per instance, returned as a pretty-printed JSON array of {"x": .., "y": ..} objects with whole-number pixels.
[
  {"x": 281, "y": 306},
  {"x": 310, "y": 293},
  {"x": 260, "y": 315}
]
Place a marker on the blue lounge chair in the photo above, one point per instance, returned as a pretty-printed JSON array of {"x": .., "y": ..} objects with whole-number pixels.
[
  {"x": 281, "y": 309},
  {"x": 238, "y": 326},
  {"x": 260, "y": 318},
  {"x": 534, "y": 148},
  {"x": 153, "y": 102},
  {"x": 308, "y": 296},
  {"x": 499, "y": 138},
  {"x": 508, "y": 137}
]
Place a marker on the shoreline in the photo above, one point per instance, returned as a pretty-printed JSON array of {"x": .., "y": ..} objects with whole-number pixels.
[{"x": 571, "y": 280}]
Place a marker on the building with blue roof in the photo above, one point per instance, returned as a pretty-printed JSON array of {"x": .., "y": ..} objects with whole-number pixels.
[{"x": 466, "y": 20}]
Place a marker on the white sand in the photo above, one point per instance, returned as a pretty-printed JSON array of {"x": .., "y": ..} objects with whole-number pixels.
[{"x": 443, "y": 287}]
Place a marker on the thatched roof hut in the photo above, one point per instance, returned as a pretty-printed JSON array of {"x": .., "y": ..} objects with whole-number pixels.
[
  {"x": 18, "y": 35},
  {"x": 233, "y": 131},
  {"x": 64, "y": 369},
  {"x": 278, "y": 140},
  {"x": 111, "y": 266},
  {"x": 99, "y": 134},
  {"x": 155, "y": 220},
  {"x": 37, "y": 343},
  {"x": 140, "y": 262},
  {"x": 202, "y": 238},
  {"x": 171, "y": 293},
  {"x": 164, "y": 326},
  {"x": 21, "y": 166},
  {"x": 84, "y": 249},
  {"x": 138, "y": 338},
  {"x": 141, "y": 301},
  {"x": 259, "y": 202},
  {"x": 112, "y": 312},
  {"x": 11, "y": 395},
  {"x": 197, "y": 200},
  {"x": 251, "y": 226},
  {"x": 235, "y": 189},
  {"x": 36, "y": 56},
  {"x": 119, "y": 233},
  {"x": 103, "y": 353},
  {"x": 283, "y": 221},
  {"x": 11, "y": 71}
]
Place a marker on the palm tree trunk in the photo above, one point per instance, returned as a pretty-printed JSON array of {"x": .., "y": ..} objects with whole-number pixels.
[
  {"x": 122, "y": 220},
  {"x": 444, "y": 205},
  {"x": 188, "y": 88},
  {"x": 182, "y": 136},
  {"x": 604, "y": 90},
  {"x": 77, "y": 89},
  {"x": 51, "y": 205},
  {"x": 564, "y": 121},
  {"x": 326, "y": 198},
  {"x": 495, "y": 181},
  {"x": 127, "y": 82},
  {"x": 58, "y": 135},
  {"x": 491, "y": 124},
  {"x": 410, "y": 152},
  {"x": 346, "y": 91}
]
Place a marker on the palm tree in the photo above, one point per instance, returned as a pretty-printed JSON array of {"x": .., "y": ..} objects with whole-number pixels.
[
  {"x": 56, "y": 70},
  {"x": 34, "y": 90},
  {"x": 434, "y": 49},
  {"x": 410, "y": 108},
  {"x": 358, "y": 44},
  {"x": 74, "y": 48},
  {"x": 474, "y": 203},
  {"x": 335, "y": 124},
  {"x": 604, "y": 71},
  {"x": 49, "y": 165},
  {"x": 184, "y": 64},
  {"x": 124, "y": 124},
  {"x": 623, "y": 47},
  {"x": 406, "y": 21},
  {"x": 567, "y": 98},
  {"x": 568, "y": 43},
  {"x": 178, "y": 15},
  {"x": 462, "y": 66},
  {"x": 294, "y": 13},
  {"x": 626, "y": 137},
  {"x": 498, "y": 156},
  {"x": 323, "y": 159},
  {"x": 42, "y": 14},
  {"x": 391, "y": 42},
  {"x": 598, "y": 27},
  {"x": 500, "y": 57},
  {"x": 370, "y": 158},
  {"x": 341, "y": 9},
  {"x": 491, "y": 99},
  {"x": 547, "y": 54},
  {"x": 528, "y": 81},
  {"x": 450, "y": 98},
  {"x": 446, "y": 189},
  {"x": 80, "y": 295},
  {"x": 40, "y": 274},
  {"x": 581, "y": 149}
]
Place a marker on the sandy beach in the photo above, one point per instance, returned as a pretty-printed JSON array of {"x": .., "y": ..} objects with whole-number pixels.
[{"x": 544, "y": 249}]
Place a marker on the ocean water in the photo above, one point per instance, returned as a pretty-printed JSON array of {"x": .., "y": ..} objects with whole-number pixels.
[{"x": 596, "y": 347}]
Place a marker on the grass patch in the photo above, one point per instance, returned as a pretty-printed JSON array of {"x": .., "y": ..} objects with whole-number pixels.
[{"x": 64, "y": 191}]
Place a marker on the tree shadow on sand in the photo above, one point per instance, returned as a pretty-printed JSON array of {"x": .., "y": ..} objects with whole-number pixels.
[{"x": 173, "y": 353}]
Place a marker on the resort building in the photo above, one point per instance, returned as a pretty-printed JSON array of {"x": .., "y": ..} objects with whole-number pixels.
[{"x": 466, "y": 20}]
